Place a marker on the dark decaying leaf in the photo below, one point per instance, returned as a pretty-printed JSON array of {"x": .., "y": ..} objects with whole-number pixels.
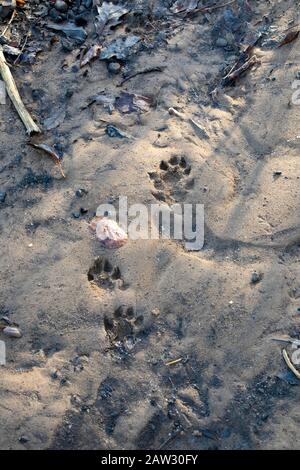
[
  {"x": 55, "y": 119},
  {"x": 70, "y": 30},
  {"x": 51, "y": 153},
  {"x": 91, "y": 54},
  {"x": 120, "y": 48},
  {"x": 184, "y": 5},
  {"x": 130, "y": 102},
  {"x": 290, "y": 37},
  {"x": 113, "y": 131},
  {"x": 108, "y": 16}
]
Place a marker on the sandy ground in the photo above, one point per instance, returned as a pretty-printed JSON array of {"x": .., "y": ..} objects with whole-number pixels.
[{"x": 66, "y": 385}]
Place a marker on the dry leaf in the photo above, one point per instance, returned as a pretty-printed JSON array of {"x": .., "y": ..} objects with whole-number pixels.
[
  {"x": 51, "y": 153},
  {"x": 108, "y": 16},
  {"x": 130, "y": 102},
  {"x": 91, "y": 54}
]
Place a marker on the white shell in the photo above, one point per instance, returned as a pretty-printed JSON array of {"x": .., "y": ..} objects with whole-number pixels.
[{"x": 12, "y": 332}]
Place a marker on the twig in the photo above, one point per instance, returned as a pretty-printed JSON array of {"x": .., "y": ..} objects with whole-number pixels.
[
  {"x": 14, "y": 95},
  {"x": 22, "y": 49},
  {"x": 231, "y": 76},
  {"x": 148, "y": 70},
  {"x": 8, "y": 24},
  {"x": 170, "y": 439},
  {"x": 210, "y": 8},
  {"x": 176, "y": 361},
  {"x": 289, "y": 364}
]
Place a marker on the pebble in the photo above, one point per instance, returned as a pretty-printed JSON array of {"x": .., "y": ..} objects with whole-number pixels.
[
  {"x": 256, "y": 277},
  {"x": 81, "y": 192},
  {"x": 114, "y": 67},
  {"x": 61, "y": 6},
  {"x": 2, "y": 196},
  {"x": 221, "y": 42},
  {"x": 155, "y": 312},
  {"x": 23, "y": 439}
]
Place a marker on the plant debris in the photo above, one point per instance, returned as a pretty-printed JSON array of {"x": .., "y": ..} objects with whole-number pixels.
[
  {"x": 91, "y": 54},
  {"x": 113, "y": 131},
  {"x": 130, "y": 102},
  {"x": 109, "y": 16},
  {"x": 70, "y": 30},
  {"x": 51, "y": 153},
  {"x": 120, "y": 48},
  {"x": 145, "y": 71},
  {"x": 55, "y": 119},
  {"x": 290, "y": 37},
  {"x": 289, "y": 364},
  {"x": 184, "y": 5}
]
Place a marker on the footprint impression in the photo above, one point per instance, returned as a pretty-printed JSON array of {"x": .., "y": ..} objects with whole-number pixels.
[
  {"x": 172, "y": 181},
  {"x": 102, "y": 274},
  {"x": 123, "y": 325}
]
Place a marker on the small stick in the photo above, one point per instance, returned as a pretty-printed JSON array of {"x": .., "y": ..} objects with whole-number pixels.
[
  {"x": 171, "y": 363},
  {"x": 8, "y": 24},
  {"x": 290, "y": 365},
  {"x": 148, "y": 70},
  {"x": 238, "y": 72},
  {"x": 22, "y": 49},
  {"x": 14, "y": 95},
  {"x": 211, "y": 8}
]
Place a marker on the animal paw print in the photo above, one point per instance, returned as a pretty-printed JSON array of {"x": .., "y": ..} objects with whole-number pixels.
[
  {"x": 173, "y": 180},
  {"x": 104, "y": 275},
  {"x": 124, "y": 324}
]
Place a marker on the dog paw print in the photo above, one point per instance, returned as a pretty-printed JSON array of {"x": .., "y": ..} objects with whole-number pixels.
[
  {"x": 172, "y": 181},
  {"x": 123, "y": 325},
  {"x": 102, "y": 274}
]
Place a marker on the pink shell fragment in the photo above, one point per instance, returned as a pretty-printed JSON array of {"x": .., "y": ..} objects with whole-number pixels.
[{"x": 110, "y": 234}]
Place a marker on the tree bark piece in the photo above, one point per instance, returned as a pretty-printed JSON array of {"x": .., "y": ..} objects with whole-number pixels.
[{"x": 14, "y": 95}]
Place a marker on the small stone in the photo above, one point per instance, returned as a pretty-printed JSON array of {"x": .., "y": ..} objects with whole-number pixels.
[
  {"x": 81, "y": 192},
  {"x": 256, "y": 277},
  {"x": 83, "y": 210},
  {"x": 23, "y": 439},
  {"x": 221, "y": 42},
  {"x": 2, "y": 196},
  {"x": 61, "y": 6},
  {"x": 114, "y": 67},
  {"x": 155, "y": 312},
  {"x": 76, "y": 215}
]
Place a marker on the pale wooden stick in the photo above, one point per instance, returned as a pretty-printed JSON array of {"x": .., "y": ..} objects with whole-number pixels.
[
  {"x": 290, "y": 365},
  {"x": 14, "y": 95}
]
